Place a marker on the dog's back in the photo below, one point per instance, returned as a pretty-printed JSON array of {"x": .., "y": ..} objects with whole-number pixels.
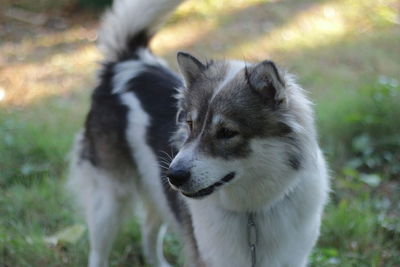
[{"x": 127, "y": 132}]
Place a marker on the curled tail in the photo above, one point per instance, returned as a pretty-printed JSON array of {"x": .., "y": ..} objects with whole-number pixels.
[{"x": 130, "y": 24}]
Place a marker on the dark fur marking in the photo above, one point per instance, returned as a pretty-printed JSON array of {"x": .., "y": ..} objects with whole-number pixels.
[
  {"x": 105, "y": 127},
  {"x": 295, "y": 157},
  {"x": 155, "y": 88},
  {"x": 294, "y": 161},
  {"x": 105, "y": 134},
  {"x": 140, "y": 39}
]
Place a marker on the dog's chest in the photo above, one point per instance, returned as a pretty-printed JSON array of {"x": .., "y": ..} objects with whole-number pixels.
[{"x": 223, "y": 238}]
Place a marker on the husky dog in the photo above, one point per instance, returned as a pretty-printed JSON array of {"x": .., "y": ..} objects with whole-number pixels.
[{"x": 249, "y": 177}]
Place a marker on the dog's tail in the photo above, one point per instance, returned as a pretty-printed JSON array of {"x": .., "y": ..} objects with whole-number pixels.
[{"x": 130, "y": 24}]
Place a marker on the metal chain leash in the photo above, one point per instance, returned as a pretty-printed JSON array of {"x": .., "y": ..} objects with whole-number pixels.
[{"x": 252, "y": 237}]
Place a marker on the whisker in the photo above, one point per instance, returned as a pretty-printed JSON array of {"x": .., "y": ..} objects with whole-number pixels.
[
  {"x": 164, "y": 168},
  {"x": 164, "y": 159},
  {"x": 168, "y": 155},
  {"x": 172, "y": 152},
  {"x": 160, "y": 158},
  {"x": 166, "y": 163}
]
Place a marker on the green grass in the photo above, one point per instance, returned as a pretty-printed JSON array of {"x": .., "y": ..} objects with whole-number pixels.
[
  {"x": 360, "y": 127},
  {"x": 23, "y": 229},
  {"x": 353, "y": 80},
  {"x": 359, "y": 133}
]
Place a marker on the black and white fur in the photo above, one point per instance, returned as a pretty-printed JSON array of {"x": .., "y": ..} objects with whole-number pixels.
[
  {"x": 116, "y": 157},
  {"x": 245, "y": 143}
]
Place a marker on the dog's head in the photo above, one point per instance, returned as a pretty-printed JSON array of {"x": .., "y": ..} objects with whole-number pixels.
[{"x": 237, "y": 125}]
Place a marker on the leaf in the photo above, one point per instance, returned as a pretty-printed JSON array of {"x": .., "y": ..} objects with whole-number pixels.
[
  {"x": 352, "y": 165},
  {"x": 69, "y": 234},
  {"x": 30, "y": 168},
  {"x": 372, "y": 180},
  {"x": 363, "y": 144}
]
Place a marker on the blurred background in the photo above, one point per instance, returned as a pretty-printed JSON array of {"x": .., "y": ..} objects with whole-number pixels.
[{"x": 345, "y": 52}]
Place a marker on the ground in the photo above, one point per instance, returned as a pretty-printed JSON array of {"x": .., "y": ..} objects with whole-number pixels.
[{"x": 346, "y": 53}]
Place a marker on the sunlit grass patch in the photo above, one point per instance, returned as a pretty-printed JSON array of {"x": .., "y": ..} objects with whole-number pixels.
[
  {"x": 27, "y": 47},
  {"x": 323, "y": 23},
  {"x": 182, "y": 34},
  {"x": 48, "y": 74},
  {"x": 30, "y": 83},
  {"x": 194, "y": 20},
  {"x": 212, "y": 8}
]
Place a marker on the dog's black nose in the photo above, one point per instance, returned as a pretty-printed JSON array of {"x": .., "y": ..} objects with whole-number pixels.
[{"x": 178, "y": 177}]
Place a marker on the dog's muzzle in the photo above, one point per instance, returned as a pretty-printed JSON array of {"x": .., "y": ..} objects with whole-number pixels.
[{"x": 210, "y": 189}]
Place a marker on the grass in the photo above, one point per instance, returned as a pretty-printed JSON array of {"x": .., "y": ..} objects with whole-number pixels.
[{"x": 345, "y": 52}]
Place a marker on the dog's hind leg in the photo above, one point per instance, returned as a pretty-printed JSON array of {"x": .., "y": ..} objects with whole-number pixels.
[
  {"x": 105, "y": 212},
  {"x": 153, "y": 232},
  {"x": 106, "y": 200}
]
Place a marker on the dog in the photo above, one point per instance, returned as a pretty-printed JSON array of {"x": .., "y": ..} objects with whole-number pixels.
[{"x": 225, "y": 154}]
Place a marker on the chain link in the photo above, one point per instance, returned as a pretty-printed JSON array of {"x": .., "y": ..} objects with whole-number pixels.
[{"x": 252, "y": 238}]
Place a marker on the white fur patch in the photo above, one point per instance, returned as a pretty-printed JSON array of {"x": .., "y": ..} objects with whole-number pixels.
[
  {"x": 127, "y": 18},
  {"x": 145, "y": 159},
  {"x": 124, "y": 72},
  {"x": 234, "y": 66},
  {"x": 138, "y": 121}
]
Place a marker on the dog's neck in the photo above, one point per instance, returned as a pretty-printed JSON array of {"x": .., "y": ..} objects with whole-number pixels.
[
  {"x": 224, "y": 235},
  {"x": 252, "y": 236},
  {"x": 227, "y": 236}
]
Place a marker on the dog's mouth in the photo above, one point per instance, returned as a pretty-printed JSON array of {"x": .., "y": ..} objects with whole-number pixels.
[{"x": 208, "y": 190}]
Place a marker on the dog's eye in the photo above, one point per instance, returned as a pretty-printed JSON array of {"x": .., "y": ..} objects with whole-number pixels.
[
  {"x": 181, "y": 116},
  {"x": 190, "y": 124},
  {"x": 225, "y": 133}
]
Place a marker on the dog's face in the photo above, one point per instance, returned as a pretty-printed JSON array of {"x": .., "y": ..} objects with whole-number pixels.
[{"x": 234, "y": 124}]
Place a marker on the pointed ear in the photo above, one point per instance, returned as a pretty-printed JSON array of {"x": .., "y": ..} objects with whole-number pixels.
[
  {"x": 265, "y": 79},
  {"x": 190, "y": 67}
]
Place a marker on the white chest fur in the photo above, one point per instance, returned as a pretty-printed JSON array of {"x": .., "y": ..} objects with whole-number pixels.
[{"x": 286, "y": 232}]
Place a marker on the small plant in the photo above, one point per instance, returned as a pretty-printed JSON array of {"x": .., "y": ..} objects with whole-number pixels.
[{"x": 361, "y": 129}]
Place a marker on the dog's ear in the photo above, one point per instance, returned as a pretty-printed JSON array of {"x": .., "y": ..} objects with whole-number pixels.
[
  {"x": 265, "y": 79},
  {"x": 190, "y": 67}
]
